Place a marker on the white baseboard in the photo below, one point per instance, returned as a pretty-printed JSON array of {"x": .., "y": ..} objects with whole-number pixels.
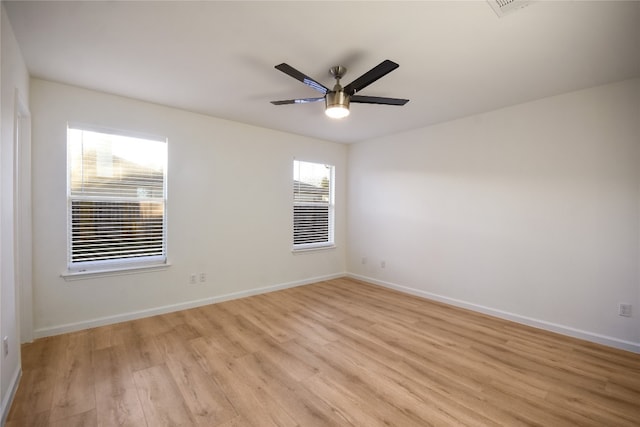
[
  {"x": 536, "y": 323},
  {"x": 8, "y": 399},
  {"x": 540, "y": 324},
  {"x": 109, "y": 320}
]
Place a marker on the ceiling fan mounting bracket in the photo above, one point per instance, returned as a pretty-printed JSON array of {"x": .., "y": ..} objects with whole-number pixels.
[{"x": 338, "y": 71}]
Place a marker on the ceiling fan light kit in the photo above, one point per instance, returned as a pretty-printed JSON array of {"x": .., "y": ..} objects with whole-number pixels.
[
  {"x": 337, "y": 100},
  {"x": 337, "y": 105}
]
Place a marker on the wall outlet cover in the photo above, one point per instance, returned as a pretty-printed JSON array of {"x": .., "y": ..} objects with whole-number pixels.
[{"x": 624, "y": 310}]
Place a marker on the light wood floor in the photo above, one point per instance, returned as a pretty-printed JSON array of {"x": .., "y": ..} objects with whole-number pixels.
[{"x": 335, "y": 353}]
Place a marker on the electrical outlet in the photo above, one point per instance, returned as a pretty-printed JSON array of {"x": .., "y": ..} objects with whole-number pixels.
[
  {"x": 383, "y": 264},
  {"x": 5, "y": 346},
  {"x": 624, "y": 310},
  {"x": 203, "y": 277},
  {"x": 193, "y": 279},
  {"x": 364, "y": 259}
]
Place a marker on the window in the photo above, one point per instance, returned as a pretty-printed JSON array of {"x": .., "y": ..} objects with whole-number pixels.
[
  {"x": 116, "y": 195},
  {"x": 313, "y": 205}
]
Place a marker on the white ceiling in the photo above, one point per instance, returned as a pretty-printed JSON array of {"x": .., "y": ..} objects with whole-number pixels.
[{"x": 217, "y": 58}]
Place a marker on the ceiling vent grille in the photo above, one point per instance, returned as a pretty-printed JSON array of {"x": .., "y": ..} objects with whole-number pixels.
[{"x": 503, "y": 7}]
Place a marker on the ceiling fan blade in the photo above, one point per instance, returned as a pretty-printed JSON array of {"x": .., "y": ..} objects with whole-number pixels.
[
  {"x": 297, "y": 101},
  {"x": 288, "y": 69},
  {"x": 377, "y": 100},
  {"x": 380, "y": 70}
]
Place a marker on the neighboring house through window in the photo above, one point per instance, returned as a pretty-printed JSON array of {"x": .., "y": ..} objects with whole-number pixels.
[
  {"x": 313, "y": 205},
  {"x": 116, "y": 196}
]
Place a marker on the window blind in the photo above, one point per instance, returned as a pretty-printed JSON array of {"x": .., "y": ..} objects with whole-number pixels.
[
  {"x": 312, "y": 205},
  {"x": 117, "y": 199}
]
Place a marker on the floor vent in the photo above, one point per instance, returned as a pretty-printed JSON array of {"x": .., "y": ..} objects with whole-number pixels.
[{"x": 503, "y": 7}]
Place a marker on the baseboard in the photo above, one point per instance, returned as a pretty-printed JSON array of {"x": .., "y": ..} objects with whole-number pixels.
[
  {"x": 109, "y": 320},
  {"x": 540, "y": 324},
  {"x": 8, "y": 399},
  {"x": 536, "y": 323}
]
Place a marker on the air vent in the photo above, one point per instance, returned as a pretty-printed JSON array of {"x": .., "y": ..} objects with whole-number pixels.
[{"x": 503, "y": 7}]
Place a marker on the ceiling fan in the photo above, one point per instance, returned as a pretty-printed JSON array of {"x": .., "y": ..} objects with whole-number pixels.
[{"x": 337, "y": 99}]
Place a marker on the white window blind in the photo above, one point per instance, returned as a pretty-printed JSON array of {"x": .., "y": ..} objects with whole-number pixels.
[
  {"x": 313, "y": 205},
  {"x": 116, "y": 200}
]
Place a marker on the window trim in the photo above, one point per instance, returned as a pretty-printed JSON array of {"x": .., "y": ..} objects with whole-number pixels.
[
  {"x": 318, "y": 246},
  {"x": 109, "y": 267},
  {"x": 70, "y": 276}
]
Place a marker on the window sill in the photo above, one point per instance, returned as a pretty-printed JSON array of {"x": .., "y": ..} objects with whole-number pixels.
[
  {"x": 70, "y": 276},
  {"x": 312, "y": 249}
]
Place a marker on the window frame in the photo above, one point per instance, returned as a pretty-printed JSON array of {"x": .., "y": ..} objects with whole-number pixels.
[
  {"x": 119, "y": 265},
  {"x": 330, "y": 243}
]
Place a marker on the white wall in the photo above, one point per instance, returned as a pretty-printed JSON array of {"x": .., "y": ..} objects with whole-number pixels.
[
  {"x": 530, "y": 212},
  {"x": 229, "y": 210},
  {"x": 14, "y": 83}
]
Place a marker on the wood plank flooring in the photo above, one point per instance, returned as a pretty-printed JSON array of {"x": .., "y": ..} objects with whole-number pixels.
[{"x": 335, "y": 353}]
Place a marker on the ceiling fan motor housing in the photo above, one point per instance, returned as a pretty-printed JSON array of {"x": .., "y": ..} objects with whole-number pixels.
[{"x": 337, "y": 98}]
